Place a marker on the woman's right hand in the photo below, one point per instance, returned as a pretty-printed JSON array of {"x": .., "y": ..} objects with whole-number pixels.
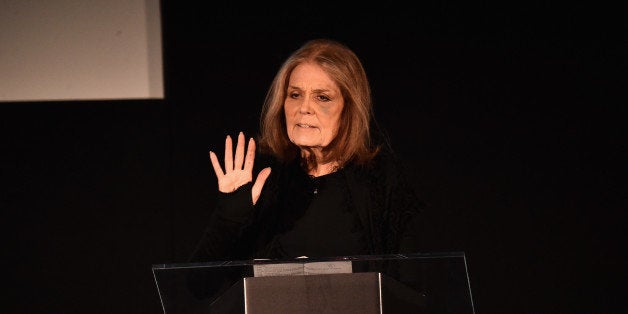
[{"x": 239, "y": 169}]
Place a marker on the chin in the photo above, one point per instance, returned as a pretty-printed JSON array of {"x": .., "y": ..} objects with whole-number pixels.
[{"x": 305, "y": 142}]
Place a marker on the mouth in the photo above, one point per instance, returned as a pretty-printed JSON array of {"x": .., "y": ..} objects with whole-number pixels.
[{"x": 306, "y": 126}]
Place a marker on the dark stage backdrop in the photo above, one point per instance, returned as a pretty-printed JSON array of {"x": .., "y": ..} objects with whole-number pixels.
[{"x": 510, "y": 120}]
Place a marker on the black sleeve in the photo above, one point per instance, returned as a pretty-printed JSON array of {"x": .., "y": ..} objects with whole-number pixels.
[{"x": 227, "y": 223}]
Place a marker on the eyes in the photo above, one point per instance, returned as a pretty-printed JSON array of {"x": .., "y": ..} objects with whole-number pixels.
[{"x": 321, "y": 97}]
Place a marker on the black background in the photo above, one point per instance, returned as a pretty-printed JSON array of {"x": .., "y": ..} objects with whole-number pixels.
[{"x": 509, "y": 117}]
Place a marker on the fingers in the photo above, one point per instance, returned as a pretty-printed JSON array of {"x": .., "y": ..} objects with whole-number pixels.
[
  {"x": 250, "y": 156},
  {"x": 216, "y": 165},
  {"x": 228, "y": 154},
  {"x": 239, "y": 154},
  {"x": 240, "y": 160}
]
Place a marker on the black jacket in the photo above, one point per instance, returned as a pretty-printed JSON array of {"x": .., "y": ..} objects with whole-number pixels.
[{"x": 381, "y": 196}]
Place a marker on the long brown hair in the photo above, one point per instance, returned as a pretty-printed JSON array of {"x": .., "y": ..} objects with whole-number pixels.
[{"x": 353, "y": 140}]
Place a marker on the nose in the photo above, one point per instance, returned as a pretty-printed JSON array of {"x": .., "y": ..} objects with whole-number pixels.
[{"x": 306, "y": 106}]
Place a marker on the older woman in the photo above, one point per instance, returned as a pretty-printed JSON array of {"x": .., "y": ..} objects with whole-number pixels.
[{"x": 325, "y": 183}]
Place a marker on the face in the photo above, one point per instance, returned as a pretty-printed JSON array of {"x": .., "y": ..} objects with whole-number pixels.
[{"x": 312, "y": 107}]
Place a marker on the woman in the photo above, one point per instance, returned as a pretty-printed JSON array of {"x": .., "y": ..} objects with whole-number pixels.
[{"x": 324, "y": 185}]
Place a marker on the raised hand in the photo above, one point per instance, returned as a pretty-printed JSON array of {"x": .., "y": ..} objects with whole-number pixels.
[{"x": 239, "y": 168}]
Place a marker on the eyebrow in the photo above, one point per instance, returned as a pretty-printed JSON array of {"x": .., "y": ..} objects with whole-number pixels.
[{"x": 318, "y": 90}]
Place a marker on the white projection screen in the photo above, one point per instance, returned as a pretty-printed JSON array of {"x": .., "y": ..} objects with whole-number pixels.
[{"x": 80, "y": 50}]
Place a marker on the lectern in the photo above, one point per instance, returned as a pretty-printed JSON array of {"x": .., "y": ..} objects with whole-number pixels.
[{"x": 398, "y": 283}]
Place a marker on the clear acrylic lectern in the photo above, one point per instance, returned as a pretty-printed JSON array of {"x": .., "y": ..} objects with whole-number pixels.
[{"x": 409, "y": 283}]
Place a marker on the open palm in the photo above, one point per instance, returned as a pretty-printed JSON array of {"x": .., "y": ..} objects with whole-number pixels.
[{"x": 238, "y": 169}]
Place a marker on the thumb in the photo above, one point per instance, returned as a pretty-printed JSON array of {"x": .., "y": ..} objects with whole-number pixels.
[{"x": 256, "y": 191}]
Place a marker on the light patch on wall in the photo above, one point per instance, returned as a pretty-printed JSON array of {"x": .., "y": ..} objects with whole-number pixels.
[{"x": 80, "y": 50}]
